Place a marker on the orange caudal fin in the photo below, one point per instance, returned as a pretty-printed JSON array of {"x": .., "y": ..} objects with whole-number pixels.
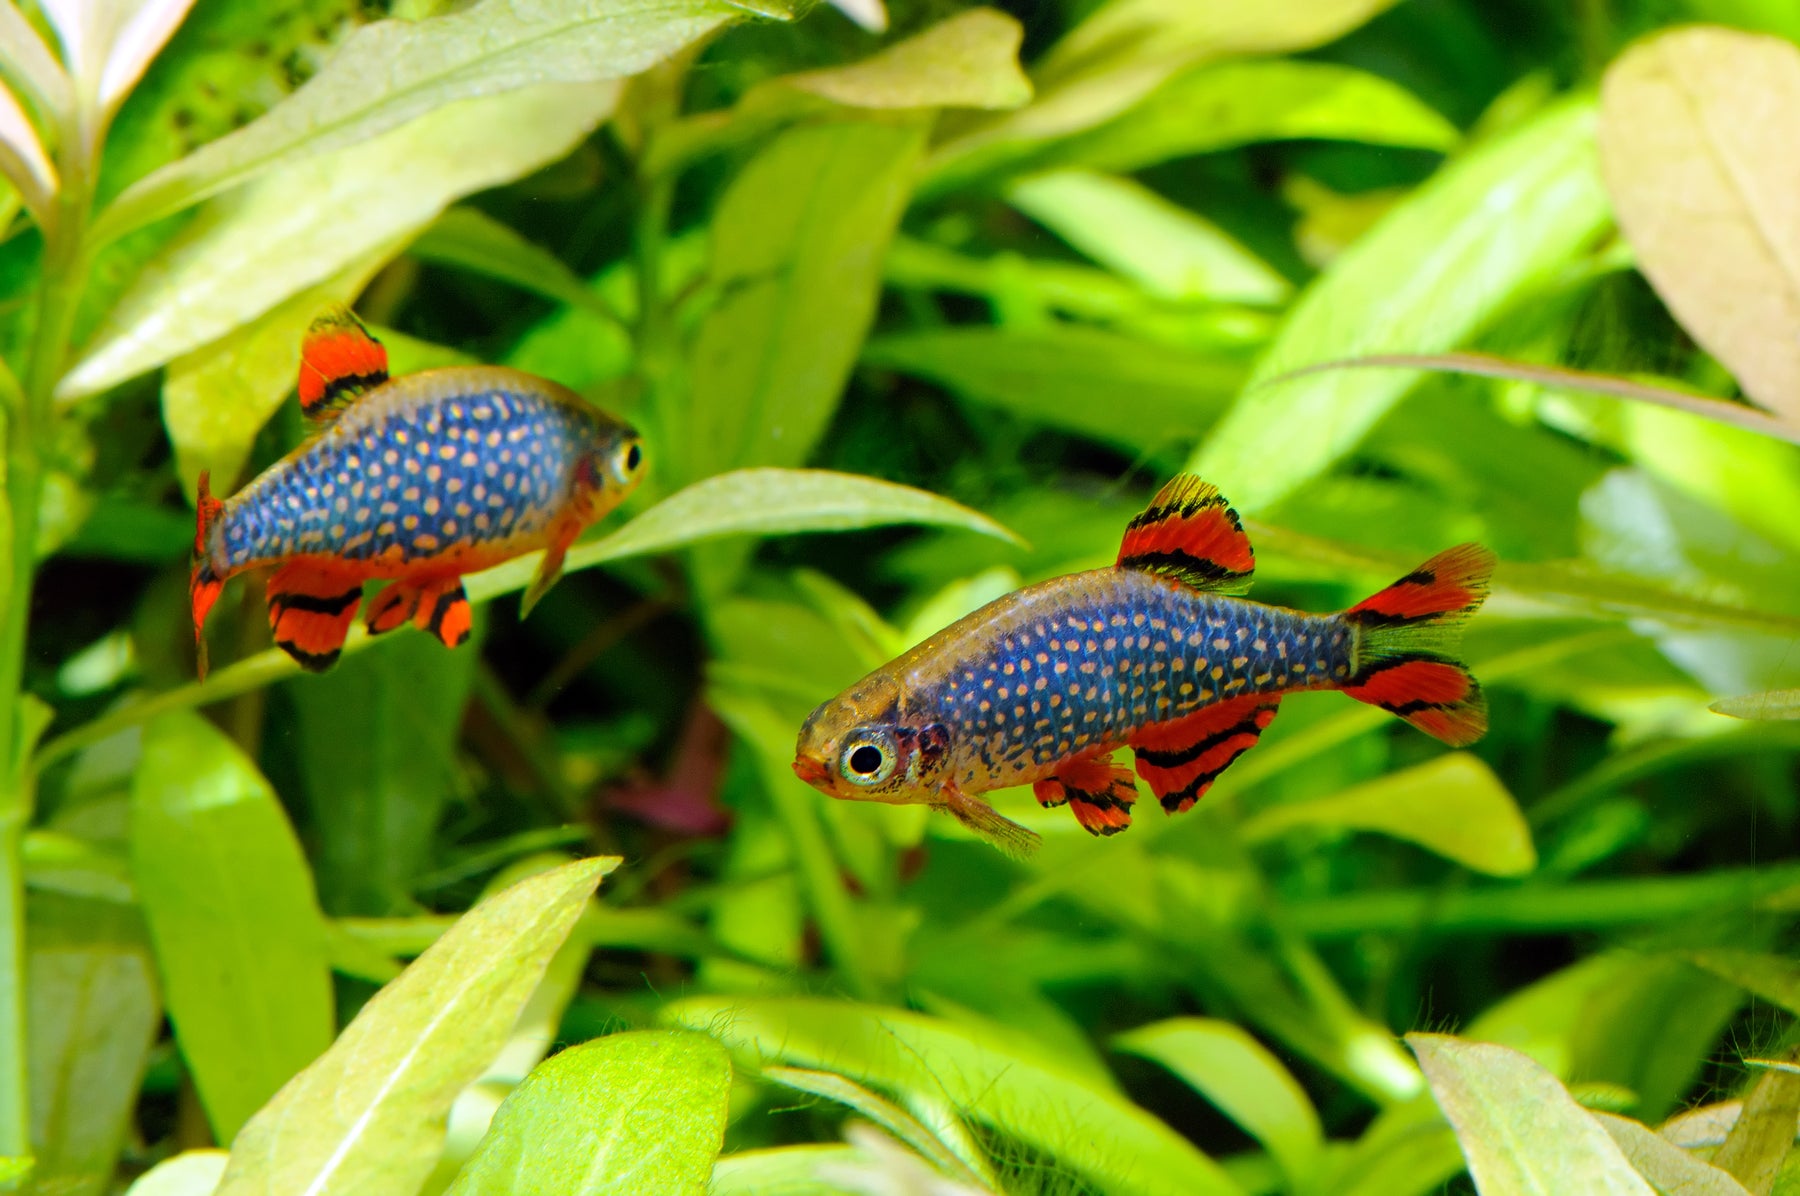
[
  {"x": 311, "y": 607},
  {"x": 1098, "y": 792},
  {"x": 440, "y": 607},
  {"x": 1407, "y": 638},
  {"x": 204, "y": 584},
  {"x": 339, "y": 361},
  {"x": 1190, "y": 533}
]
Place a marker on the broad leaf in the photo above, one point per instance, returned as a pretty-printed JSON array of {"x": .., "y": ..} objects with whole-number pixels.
[
  {"x": 311, "y": 220},
  {"x": 1117, "y": 1145},
  {"x": 1520, "y": 1130},
  {"x": 190, "y": 1173},
  {"x": 1775, "y": 704},
  {"x": 781, "y": 1171},
  {"x": 1453, "y": 805},
  {"x": 240, "y": 942},
  {"x": 1694, "y": 129},
  {"x": 93, "y": 1013},
  {"x": 889, "y": 1116},
  {"x": 1168, "y": 250},
  {"x": 763, "y": 502},
  {"x": 1431, "y": 273},
  {"x": 1223, "y": 1063},
  {"x": 970, "y": 60},
  {"x": 628, "y": 1113},
  {"x": 1772, "y": 977},
  {"x": 1058, "y": 375},
  {"x": 487, "y": 48},
  {"x": 369, "y": 1115},
  {"x": 797, "y": 246},
  {"x": 470, "y": 238},
  {"x": 1666, "y": 1165}
]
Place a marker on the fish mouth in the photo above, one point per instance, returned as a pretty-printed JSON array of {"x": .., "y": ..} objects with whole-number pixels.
[{"x": 812, "y": 771}]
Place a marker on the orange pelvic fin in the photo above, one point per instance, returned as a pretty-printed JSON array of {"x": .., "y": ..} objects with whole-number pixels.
[
  {"x": 1407, "y": 638},
  {"x": 204, "y": 586},
  {"x": 1098, "y": 792},
  {"x": 311, "y": 608},
  {"x": 1190, "y": 533},
  {"x": 440, "y": 607},
  {"x": 339, "y": 361},
  {"x": 1181, "y": 760}
]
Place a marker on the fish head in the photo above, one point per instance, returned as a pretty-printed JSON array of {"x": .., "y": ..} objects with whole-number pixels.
[
  {"x": 609, "y": 464},
  {"x": 858, "y": 747}
]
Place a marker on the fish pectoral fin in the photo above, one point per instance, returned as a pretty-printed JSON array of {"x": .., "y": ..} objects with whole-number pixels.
[
  {"x": 987, "y": 823},
  {"x": 1191, "y": 534},
  {"x": 548, "y": 574},
  {"x": 1097, "y": 791},
  {"x": 311, "y": 608},
  {"x": 339, "y": 362},
  {"x": 440, "y": 607},
  {"x": 1181, "y": 760}
]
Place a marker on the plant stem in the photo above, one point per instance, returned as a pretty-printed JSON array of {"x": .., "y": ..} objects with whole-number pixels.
[{"x": 59, "y": 293}]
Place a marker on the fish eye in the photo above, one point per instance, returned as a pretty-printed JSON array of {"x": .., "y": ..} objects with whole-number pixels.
[
  {"x": 867, "y": 759},
  {"x": 627, "y": 460}
]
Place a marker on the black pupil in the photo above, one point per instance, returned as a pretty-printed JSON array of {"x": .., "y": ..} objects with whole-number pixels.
[
  {"x": 865, "y": 759},
  {"x": 633, "y": 455}
]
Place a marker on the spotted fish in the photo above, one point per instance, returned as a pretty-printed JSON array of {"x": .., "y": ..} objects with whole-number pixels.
[
  {"x": 416, "y": 480},
  {"x": 1154, "y": 653}
]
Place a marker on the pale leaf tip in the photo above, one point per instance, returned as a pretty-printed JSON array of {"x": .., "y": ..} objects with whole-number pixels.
[{"x": 870, "y": 14}]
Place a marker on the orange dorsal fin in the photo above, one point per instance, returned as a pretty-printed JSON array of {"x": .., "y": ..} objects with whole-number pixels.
[
  {"x": 1181, "y": 760},
  {"x": 339, "y": 362},
  {"x": 1190, "y": 533}
]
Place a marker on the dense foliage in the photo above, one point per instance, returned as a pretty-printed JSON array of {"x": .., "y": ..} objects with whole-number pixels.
[{"x": 908, "y": 318}]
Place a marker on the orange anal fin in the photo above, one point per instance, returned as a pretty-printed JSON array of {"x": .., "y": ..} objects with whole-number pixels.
[
  {"x": 1190, "y": 533},
  {"x": 1098, "y": 792},
  {"x": 1181, "y": 760},
  {"x": 440, "y": 607},
  {"x": 339, "y": 360},
  {"x": 310, "y": 611}
]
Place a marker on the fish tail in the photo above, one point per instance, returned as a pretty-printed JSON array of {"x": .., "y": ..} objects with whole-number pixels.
[
  {"x": 1406, "y": 640},
  {"x": 204, "y": 584}
]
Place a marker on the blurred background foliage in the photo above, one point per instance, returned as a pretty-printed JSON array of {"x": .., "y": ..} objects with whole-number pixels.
[{"x": 910, "y": 316}]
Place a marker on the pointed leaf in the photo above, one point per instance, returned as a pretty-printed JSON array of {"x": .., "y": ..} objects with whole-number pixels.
[
  {"x": 310, "y": 221},
  {"x": 22, "y": 158},
  {"x": 628, "y": 1113},
  {"x": 1431, "y": 273},
  {"x": 1772, "y": 977},
  {"x": 190, "y": 1173},
  {"x": 28, "y": 66},
  {"x": 487, "y": 48},
  {"x": 240, "y": 942},
  {"x": 970, "y": 60},
  {"x": 1695, "y": 126},
  {"x": 1117, "y": 1145},
  {"x": 369, "y": 1115},
  {"x": 893, "y": 1118},
  {"x": 1453, "y": 805},
  {"x": 1520, "y": 1130},
  {"x": 1223, "y": 1063},
  {"x": 763, "y": 502},
  {"x": 1671, "y": 1169},
  {"x": 1775, "y": 704}
]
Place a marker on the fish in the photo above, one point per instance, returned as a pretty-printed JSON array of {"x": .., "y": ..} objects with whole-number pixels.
[
  {"x": 1158, "y": 653},
  {"x": 416, "y": 480}
]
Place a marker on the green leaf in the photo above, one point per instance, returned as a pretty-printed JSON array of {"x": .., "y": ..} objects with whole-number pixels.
[
  {"x": 376, "y": 739},
  {"x": 1771, "y": 977},
  {"x": 1053, "y": 374},
  {"x": 390, "y": 72},
  {"x": 1223, "y": 1063},
  {"x": 470, "y": 238},
  {"x": 216, "y": 399},
  {"x": 637, "y": 1112},
  {"x": 93, "y": 1013},
  {"x": 240, "y": 942},
  {"x": 1430, "y": 274},
  {"x": 970, "y": 60},
  {"x": 1520, "y": 1130},
  {"x": 311, "y": 220},
  {"x": 190, "y": 1173},
  {"x": 893, "y": 1118},
  {"x": 1167, "y": 249},
  {"x": 1115, "y": 1144},
  {"x": 797, "y": 246},
  {"x": 1705, "y": 197},
  {"x": 369, "y": 1115},
  {"x": 781, "y": 1171},
  {"x": 763, "y": 502},
  {"x": 1244, "y": 102},
  {"x": 1453, "y": 805},
  {"x": 1775, "y": 704},
  {"x": 1666, "y": 1165}
]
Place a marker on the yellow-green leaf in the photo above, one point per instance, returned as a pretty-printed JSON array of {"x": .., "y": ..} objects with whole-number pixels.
[
  {"x": 970, "y": 60},
  {"x": 1774, "y": 704}
]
